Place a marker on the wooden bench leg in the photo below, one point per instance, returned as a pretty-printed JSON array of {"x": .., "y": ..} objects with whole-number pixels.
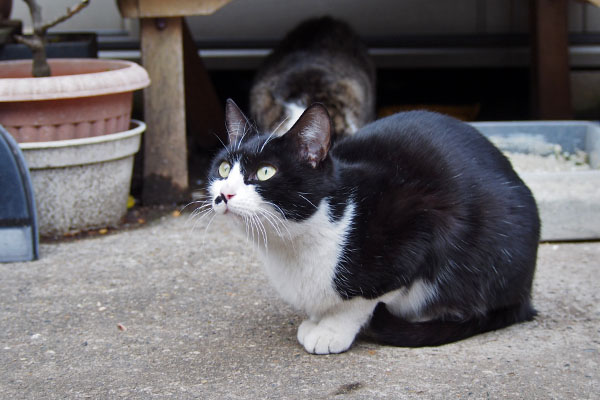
[
  {"x": 551, "y": 93},
  {"x": 165, "y": 150}
]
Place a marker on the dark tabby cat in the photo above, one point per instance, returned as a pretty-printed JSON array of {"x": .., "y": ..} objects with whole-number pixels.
[
  {"x": 322, "y": 60},
  {"x": 416, "y": 228}
]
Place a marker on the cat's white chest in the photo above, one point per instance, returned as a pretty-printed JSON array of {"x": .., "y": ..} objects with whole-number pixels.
[{"x": 302, "y": 265}]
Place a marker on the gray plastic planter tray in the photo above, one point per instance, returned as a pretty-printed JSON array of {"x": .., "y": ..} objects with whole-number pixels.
[{"x": 568, "y": 201}]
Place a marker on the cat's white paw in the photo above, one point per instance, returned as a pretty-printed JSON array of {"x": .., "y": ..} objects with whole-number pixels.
[
  {"x": 324, "y": 339},
  {"x": 305, "y": 327}
]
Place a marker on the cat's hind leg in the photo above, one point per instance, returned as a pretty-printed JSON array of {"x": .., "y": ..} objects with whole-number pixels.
[
  {"x": 335, "y": 331},
  {"x": 390, "y": 329}
]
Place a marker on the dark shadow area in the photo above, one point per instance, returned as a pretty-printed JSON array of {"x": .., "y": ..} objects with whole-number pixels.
[{"x": 472, "y": 94}]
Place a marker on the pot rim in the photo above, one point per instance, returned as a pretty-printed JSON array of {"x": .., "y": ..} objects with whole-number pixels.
[
  {"x": 84, "y": 151},
  {"x": 119, "y": 76},
  {"x": 137, "y": 128}
]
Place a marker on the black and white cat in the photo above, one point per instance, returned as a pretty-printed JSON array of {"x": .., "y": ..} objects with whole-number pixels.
[
  {"x": 321, "y": 60},
  {"x": 416, "y": 229}
]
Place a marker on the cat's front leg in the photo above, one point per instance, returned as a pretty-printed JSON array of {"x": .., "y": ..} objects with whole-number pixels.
[{"x": 335, "y": 331}]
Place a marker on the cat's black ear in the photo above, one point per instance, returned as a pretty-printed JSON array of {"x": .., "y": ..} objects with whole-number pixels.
[
  {"x": 236, "y": 122},
  {"x": 312, "y": 134}
]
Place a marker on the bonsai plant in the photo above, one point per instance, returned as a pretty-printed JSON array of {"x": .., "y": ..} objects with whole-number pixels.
[
  {"x": 73, "y": 98},
  {"x": 56, "y": 109},
  {"x": 37, "y": 41}
]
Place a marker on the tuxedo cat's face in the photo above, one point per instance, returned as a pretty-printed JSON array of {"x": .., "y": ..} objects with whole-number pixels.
[{"x": 264, "y": 180}]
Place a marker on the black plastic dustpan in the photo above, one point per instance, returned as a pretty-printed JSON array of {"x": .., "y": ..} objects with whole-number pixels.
[{"x": 18, "y": 221}]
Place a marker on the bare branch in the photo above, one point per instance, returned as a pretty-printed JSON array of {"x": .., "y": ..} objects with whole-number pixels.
[
  {"x": 37, "y": 41},
  {"x": 70, "y": 12},
  {"x": 25, "y": 40}
]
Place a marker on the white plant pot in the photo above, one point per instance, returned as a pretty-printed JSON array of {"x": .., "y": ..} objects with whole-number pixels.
[{"x": 82, "y": 184}]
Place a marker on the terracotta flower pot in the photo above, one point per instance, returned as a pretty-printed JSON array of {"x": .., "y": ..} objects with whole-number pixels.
[{"x": 82, "y": 98}]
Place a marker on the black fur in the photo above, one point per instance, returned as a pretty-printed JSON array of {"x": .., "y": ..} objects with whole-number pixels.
[
  {"x": 435, "y": 201},
  {"x": 388, "y": 329}
]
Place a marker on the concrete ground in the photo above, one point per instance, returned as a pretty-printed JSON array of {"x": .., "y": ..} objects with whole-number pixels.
[{"x": 176, "y": 311}]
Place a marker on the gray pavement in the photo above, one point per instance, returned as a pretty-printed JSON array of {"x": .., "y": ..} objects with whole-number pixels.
[{"x": 170, "y": 310}]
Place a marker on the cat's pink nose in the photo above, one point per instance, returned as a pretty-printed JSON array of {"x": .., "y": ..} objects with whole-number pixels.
[{"x": 227, "y": 196}]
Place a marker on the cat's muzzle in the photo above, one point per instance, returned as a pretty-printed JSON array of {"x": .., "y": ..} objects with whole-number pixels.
[
  {"x": 220, "y": 204},
  {"x": 221, "y": 198}
]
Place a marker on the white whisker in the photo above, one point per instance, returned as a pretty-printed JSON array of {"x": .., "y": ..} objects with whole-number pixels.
[
  {"x": 199, "y": 217},
  {"x": 219, "y": 139},
  {"x": 281, "y": 123},
  {"x": 246, "y": 225},
  {"x": 196, "y": 201},
  {"x": 206, "y": 230},
  {"x": 265, "y": 235},
  {"x": 275, "y": 206},
  {"x": 266, "y": 141},
  {"x": 253, "y": 228},
  {"x": 239, "y": 142},
  {"x": 260, "y": 231},
  {"x": 272, "y": 221},
  {"x": 309, "y": 202},
  {"x": 200, "y": 210},
  {"x": 276, "y": 222}
]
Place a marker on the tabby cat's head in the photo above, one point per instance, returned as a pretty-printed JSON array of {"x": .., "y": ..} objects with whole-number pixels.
[{"x": 266, "y": 179}]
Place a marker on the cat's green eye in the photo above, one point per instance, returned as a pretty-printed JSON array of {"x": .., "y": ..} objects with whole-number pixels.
[
  {"x": 265, "y": 172},
  {"x": 224, "y": 169}
]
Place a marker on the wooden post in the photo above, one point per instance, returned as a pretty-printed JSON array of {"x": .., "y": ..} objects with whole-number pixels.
[
  {"x": 165, "y": 154},
  {"x": 550, "y": 90},
  {"x": 162, "y": 43}
]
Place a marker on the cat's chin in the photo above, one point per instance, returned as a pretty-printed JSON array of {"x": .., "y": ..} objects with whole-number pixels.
[
  {"x": 221, "y": 209},
  {"x": 230, "y": 216}
]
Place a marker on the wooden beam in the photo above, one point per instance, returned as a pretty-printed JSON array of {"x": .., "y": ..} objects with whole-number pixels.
[
  {"x": 165, "y": 150},
  {"x": 551, "y": 93},
  {"x": 168, "y": 8}
]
